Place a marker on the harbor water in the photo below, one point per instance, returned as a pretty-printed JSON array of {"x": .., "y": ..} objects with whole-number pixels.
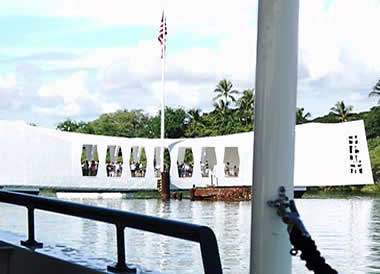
[{"x": 347, "y": 232}]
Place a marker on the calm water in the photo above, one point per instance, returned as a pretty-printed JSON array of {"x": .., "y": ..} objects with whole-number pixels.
[{"x": 347, "y": 232}]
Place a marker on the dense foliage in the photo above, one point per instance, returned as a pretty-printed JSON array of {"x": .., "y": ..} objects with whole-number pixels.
[{"x": 230, "y": 115}]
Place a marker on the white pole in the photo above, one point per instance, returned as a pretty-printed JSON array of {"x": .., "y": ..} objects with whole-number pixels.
[
  {"x": 163, "y": 95},
  {"x": 276, "y": 92}
]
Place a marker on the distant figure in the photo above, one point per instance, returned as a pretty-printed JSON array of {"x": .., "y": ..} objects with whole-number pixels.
[
  {"x": 96, "y": 167},
  {"x": 133, "y": 169},
  {"x": 181, "y": 169},
  {"x": 206, "y": 168},
  {"x": 137, "y": 172},
  {"x": 108, "y": 169},
  {"x": 93, "y": 168},
  {"x": 85, "y": 168},
  {"x": 236, "y": 171},
  {"x": 119, "y": 169},
  {"x": 113, "y": 169},
  {"x": 227, "y": 169}
]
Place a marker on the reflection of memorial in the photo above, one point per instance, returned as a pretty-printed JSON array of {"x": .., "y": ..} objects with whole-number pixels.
[{"x": 326, "y": 154}]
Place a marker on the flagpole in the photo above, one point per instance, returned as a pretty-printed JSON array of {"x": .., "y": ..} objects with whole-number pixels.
[{"x": 163, "y": 96}]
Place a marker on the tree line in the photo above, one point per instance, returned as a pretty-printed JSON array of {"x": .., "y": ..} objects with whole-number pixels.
[{"x": 233, "y": 112}]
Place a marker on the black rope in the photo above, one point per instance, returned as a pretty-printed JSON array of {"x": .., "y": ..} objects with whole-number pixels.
[
  {"x": 309, "y": 252},
  {"x": 298, "y": 235}
]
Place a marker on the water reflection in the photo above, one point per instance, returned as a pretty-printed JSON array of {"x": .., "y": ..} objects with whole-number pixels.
[
  {"x": 347, "y": 232},
  {"x": 374, "y": 235},
  {"x": 340, "y": 228}
]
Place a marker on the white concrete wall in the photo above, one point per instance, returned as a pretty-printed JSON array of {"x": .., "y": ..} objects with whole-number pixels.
[
  {"x": 322, "y": 155},
  {"x": 45, "y": 157}
]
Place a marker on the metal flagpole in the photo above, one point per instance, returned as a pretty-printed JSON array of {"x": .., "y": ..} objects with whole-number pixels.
[{"x": 163, "y": 45}]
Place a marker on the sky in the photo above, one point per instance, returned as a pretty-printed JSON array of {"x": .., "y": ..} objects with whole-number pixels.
[{"x": 79, "y": 59}]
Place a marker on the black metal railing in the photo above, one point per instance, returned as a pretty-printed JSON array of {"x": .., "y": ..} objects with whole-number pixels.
[{"x": 121, "y": 219}]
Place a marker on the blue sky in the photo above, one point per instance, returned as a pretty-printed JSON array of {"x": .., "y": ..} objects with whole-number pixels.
[{"x": 79, "y": 59}]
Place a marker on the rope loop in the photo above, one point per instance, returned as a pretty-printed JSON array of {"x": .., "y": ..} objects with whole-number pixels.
[{"x": 294, "y": 252}]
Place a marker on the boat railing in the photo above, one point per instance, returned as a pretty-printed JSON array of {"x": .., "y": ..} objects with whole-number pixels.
[{"x": 121, "y": 219}]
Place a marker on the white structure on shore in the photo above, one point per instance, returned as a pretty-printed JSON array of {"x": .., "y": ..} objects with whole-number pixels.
[{"x": 325, "y": 154}]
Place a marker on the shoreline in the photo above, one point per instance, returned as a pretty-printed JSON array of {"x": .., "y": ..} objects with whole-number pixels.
[
  {"x": 343, "y": 191},
  {"x": 311, "y": 193}
]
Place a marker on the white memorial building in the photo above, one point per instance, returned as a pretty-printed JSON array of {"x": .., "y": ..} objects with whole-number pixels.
[{"x": 325, "y": 154}]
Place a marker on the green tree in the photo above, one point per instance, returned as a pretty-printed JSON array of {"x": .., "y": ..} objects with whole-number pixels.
[
  {"x": 175, "y": 120},
  {"x": 151, "y": 129},
  {"x": 375, "y": 90},
  {"x": 225, "y": 92},
  {"x": 372, "y": 123},
  {"x": 122, "y": 123},
  {"x": 195, "y": 124},
  {"x": 302, "y": 117},
  {"x": 246, "y": 105},
  {"x": 222, "y": 112},
  {"x": 374, "y": 154},
  {"x": 85, "y": 127},
  {"x": 342, "y": 111},
  {"x": 68, "y": 125},
  {"x": 328, "y": 118}
]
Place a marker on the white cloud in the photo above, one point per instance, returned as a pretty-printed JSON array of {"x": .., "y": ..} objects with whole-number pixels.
[
  {"x": 195, "y": 16},
  {"x": 339, "y": 50},
  {"x": 77, "y": 101},
  {"x": 8, "y": 81},
  {"x": 70, "y": 89},
  {"x": 69, "y": 110},
  {"x": 110, "y": 107},
  {"x": 10, "y": 92},
  {"x": 338, "y": 58}
]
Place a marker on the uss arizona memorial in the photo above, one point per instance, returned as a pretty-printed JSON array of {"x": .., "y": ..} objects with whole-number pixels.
[{"x": 325, "y": 154}]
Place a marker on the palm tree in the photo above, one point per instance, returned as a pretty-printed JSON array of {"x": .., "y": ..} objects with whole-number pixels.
[
  {"x": 194, "y": 115},
  {"x": 221, "y": 107},
  {"x": 195, "y": 125},
  {"x": 195, "y": 119},
  {"x": 342, "y": 111},
  {"x": 375, "y": 91},
  {"x": 302, "y": 117},
  {"x": 246, "y": 105},
  {"x": 222, "y": 111},
  {"x": 225, "y": 91}
]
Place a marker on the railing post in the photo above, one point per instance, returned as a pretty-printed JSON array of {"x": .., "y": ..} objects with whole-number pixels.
[
  {"x": 120, "y": 266},
  {"x": 210, "y": 252},
  {"x": 31, "y": 242}
]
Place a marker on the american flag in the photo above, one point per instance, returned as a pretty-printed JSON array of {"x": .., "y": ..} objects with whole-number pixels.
[{"x": 162, "y": 34}]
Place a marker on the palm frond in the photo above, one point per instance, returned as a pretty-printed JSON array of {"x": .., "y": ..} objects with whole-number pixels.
[
  {"x": 374, "y": 93},
  {"x": 217, "y": 97}
]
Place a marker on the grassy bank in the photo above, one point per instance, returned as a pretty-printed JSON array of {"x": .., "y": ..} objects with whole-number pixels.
[
  {"x": 343, "y": 191},
  {"x": 141, "y": 194}
]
